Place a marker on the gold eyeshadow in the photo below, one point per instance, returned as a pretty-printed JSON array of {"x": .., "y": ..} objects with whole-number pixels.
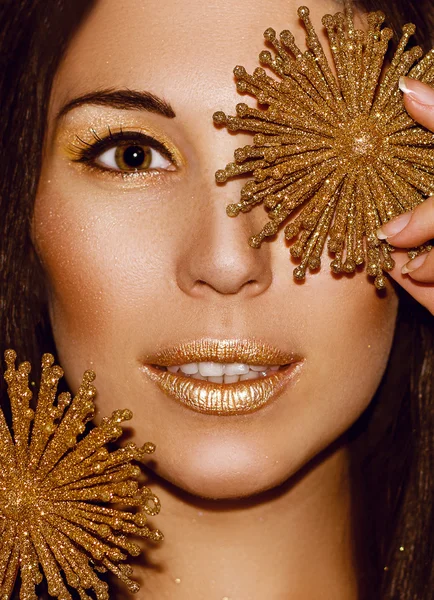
[{"x": 80, "y": 136}]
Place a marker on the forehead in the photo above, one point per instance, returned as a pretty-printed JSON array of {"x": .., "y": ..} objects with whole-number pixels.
[{"x": 171, "y": 47}]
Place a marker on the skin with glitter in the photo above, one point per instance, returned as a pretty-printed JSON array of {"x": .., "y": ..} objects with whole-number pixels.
[{"x": 141, "y": 262}]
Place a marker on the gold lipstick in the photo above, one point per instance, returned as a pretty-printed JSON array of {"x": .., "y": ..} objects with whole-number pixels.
[{"x": 217, "y": 398}]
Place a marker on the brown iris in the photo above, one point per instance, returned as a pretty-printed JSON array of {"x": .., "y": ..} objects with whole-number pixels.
[{"x": 133, "y": 157}]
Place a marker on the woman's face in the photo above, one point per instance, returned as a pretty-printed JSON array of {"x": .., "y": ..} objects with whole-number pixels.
[{"x": 144, "y": 261}]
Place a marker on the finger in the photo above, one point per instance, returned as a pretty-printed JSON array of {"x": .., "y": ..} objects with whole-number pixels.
[
  {"x": 421, "y": 268},
  {"x": 418, "y": 100},
  {"x": 421, "y": 292},
  {"x": 412, "y": 228}
]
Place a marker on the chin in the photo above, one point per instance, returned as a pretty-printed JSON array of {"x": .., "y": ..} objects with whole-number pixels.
[
  {"x": 226, "y": 487},
  {"x": 221, "y": 473}
]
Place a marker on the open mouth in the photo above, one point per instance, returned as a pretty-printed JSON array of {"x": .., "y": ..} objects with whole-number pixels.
[
  {"x": 222, "y": 373},
  {"x": 229, "y": 393},
  {"x": 222, "y": 377}
]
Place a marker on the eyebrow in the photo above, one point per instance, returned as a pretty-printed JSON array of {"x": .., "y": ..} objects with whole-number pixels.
[{"x": 121, "y": 99}]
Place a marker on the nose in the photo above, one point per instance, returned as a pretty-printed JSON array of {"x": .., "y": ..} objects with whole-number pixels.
[{"x": 217, "y": 257}]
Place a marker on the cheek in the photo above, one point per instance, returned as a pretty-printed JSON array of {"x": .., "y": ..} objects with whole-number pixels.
[
  {"x": 348, "y": 334},
  {"x": 103, "y": 266}
]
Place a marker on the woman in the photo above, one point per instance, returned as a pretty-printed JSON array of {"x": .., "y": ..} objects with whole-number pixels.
[{"x": 128, "y": 260}]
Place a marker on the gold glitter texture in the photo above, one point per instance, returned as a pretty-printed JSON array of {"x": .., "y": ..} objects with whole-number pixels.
[
  {"x": 339, "y": 150},
  {"x": 215, "y": 398},
  {"x": 56, "y": 487}
]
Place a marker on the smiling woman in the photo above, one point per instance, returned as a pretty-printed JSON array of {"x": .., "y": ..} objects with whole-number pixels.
[{"x": 293, "y": 421}]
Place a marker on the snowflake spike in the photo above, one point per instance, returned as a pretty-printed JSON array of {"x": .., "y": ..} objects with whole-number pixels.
[
  {"x": 351, "y": 74},
  {"x": 7, "y": 454},
  {"x": 20, "y": 396},
  {"x": 43, "y": 420},
  {"x": 289, "y": 41},
  {"x": 349, "y": 17},
  {"x": 10, "y": 574},
  {"x": 318, "y": 127},
  {"x": 270, "y": 36},
  {"x": 299, "y": 273},
  {"x": 371, "y": 36},
  {"x": 329, "y": 23},
  {"x": 64, "y": 525},
  {"x": 315, "y": 46},
  {"x": 390, "y": 87},
  {"x": 407, "y": 31},
  {"x": 375, "y": 68},
  {"x": 65, "y": 435},
  {"x": 219, "y": 118},
  {"x": 423, "y": 69}
]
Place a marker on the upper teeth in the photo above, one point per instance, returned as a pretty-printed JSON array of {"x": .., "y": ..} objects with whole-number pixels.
[
  {"x": 223, "y": 372},
  {"x": 214, "y": 369}
]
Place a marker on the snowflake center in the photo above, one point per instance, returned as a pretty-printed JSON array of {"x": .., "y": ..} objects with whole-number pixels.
[
  {"x": 22, "y": 498},
  {"x": 361, "y": 141}
]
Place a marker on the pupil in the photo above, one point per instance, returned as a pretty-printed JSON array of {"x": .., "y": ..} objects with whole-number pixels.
[{"x": 134, "y": 156}]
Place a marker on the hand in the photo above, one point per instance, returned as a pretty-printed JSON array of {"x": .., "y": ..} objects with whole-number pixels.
[{"x": 415, "y": 228}]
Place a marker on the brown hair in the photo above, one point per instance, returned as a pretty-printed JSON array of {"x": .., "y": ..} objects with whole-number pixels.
[{"x": 392, "y": 443}]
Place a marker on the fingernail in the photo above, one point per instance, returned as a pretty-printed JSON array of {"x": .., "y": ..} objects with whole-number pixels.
[
  {"x": 394, "y": 226},
  {"x": 418, "y": 91},
  {"x": 415, "y": 263}
]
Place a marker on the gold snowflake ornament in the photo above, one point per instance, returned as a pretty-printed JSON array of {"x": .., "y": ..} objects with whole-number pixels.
[
  {"x": 56, "y": 487},
  {"x": 339, "y": 150}
]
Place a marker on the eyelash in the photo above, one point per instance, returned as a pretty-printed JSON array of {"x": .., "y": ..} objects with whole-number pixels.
[{"x": 87, "y": 153}]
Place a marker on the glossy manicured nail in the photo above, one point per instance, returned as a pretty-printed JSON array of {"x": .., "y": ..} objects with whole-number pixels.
[
  {"x": 415, "y": 263},
  {"x": 394, "y": 226},
  {"x": 416, "y": 90}
]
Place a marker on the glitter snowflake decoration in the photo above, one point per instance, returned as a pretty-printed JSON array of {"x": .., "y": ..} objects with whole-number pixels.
[
  {"x": 339, "y": 150},
  {"x": 56, "y": 487}
]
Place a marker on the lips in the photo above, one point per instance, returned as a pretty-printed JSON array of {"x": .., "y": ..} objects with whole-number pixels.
[{"x": 219, "y": 398}]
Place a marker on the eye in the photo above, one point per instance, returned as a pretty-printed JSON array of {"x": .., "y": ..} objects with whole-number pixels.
[
  {"x": 124, "y": 152},
  {"x": 132, "y": 156}
]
